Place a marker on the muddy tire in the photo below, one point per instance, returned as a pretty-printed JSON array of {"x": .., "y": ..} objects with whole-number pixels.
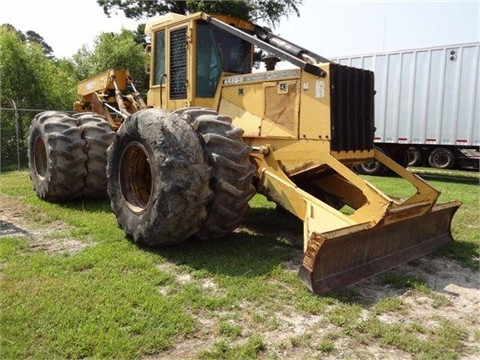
[
  {"x": 158, "y": 178},
  {"x": 56, "y": 157},
  {"x": 98, "y": 135},
  {"x": 233, "y": 171}
]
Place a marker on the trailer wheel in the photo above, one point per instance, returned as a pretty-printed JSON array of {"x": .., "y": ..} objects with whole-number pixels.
[
  {"x": 415, "y": 156},
  {"x": 442, "y": 158},
  {"x": 372, "y": 167},
  {"x": 233, "y": 172},
  {"x": 98, "y": 135},
  {"x": 158, "y": 178},
  {"x": 55, "y": 156}
]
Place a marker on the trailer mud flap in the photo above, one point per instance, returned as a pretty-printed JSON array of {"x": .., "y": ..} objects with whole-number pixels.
[{"x": 335, "y": 259}]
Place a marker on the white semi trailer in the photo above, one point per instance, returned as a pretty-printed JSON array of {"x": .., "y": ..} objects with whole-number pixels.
[{"x": 427, "y": 105}]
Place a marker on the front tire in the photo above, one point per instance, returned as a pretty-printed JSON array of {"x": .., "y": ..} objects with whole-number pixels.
[
  {"x": 55, "y": 156},
  {"x": 229, "y": 156},
  {"x": 158, "y": 178}
]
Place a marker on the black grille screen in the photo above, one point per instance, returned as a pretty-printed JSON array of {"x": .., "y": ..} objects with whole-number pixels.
[
  {"x": 178, "y": 63},
  {"x": 352, "y": 108}
]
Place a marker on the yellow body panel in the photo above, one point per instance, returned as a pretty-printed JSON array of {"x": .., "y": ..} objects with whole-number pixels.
[
  {"x": 315, "y": 109},
  {"x": 245, "y": 120},
  {"x": 102, "y": 82}
]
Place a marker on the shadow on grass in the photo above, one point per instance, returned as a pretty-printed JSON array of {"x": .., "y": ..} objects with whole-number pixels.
[
  {"x": 254, "y": 249},
  {"x": 273, "y": 221},
  {"x": 467, "y": 253},
  {"x": 448, "y": 176},
  {"x": 257, "y": 247},
  {"x": 89, "y": 205},
  {"x": 237, "y": 255}
]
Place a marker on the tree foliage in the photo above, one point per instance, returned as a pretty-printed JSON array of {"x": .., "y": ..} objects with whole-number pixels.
[
  {"x": 33, "y": 37},
  {"x": 33, "y": 78},
  {"x": 30, "y": 76},
  {"x": 142, "y": 8},
  {"x": 254, "y": 10}
]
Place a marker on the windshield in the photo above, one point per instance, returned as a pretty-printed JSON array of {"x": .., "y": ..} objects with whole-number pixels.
[
  {"x": 218, "y": 51},
  {"x": 235, "y": 53}
]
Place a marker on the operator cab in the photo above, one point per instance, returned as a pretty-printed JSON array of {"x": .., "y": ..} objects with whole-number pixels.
[{"x": 189, "y": 56}]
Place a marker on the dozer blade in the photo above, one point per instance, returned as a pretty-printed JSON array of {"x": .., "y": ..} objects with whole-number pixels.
[{"x": 336, "y": 259}]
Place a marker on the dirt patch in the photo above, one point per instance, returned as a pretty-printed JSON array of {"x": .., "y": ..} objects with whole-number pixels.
[{"x": 49, "y": 237}]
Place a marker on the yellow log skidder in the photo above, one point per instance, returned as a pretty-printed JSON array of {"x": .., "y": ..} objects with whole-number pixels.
[{"x": 186, "y": 162}]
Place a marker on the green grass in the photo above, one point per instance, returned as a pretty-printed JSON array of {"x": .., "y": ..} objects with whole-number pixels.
[
  {"x": 116, "y": 300},
  {"x": 443, "y": 342},
  {"x": 389, "y": 304},
  {"x": 224, "y": 350}
]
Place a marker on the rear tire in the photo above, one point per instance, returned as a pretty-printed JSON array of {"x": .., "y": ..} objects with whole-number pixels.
[
  {"x": 442, "y": 158},
  {"x": 56, "y": 157},
  {"x": 98, "y": 136},
  {"x": 158, "y": 178},
  {"x": 233, "y": 172}
]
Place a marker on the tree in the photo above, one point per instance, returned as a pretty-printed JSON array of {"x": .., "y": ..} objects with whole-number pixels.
[
  {"x": 142, "y": 8},
  {"x": 33, "y": 37},
  {"x": 30, "y": 77},
  {"x": 267, "y": 10}
]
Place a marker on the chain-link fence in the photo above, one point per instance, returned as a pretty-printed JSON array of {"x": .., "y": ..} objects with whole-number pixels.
[{"x": 14, "y": 125}]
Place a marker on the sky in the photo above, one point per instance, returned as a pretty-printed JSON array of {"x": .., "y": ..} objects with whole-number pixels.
[{"x": 329, "y": 28}]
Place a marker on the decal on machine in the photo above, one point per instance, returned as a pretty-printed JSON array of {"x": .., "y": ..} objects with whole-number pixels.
[
  {"x": 319, "y": 89},
  {"x": 91, "y": 85},
  {"x": 268, "y": 76}
]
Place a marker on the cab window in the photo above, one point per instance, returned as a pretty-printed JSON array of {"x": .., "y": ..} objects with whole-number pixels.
[
  {"x": 208, "y": 62},
  {"x": 235, "y": 53},
  {"x": 159, "y": 66},
  {"x": 218, "y": 51}
]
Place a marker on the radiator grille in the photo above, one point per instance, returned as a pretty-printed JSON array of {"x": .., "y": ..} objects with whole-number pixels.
[
  {"x": 352, "y": 108},
  {"x": 178, "y": 63}
]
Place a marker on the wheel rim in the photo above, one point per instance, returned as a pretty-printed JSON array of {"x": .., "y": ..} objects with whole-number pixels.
[
  {"x": 371, "y": 165},
  {"x": 440, "y": 159},
  {"x": 135, "y": 177},
  {"x": 40, "y": 157}
]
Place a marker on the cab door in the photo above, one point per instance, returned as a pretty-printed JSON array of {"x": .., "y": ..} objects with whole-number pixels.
[{"x": 169, "y": 87}]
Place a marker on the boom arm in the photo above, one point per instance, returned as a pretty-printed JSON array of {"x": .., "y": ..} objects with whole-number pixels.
[{"x": 103, "y": 94}]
